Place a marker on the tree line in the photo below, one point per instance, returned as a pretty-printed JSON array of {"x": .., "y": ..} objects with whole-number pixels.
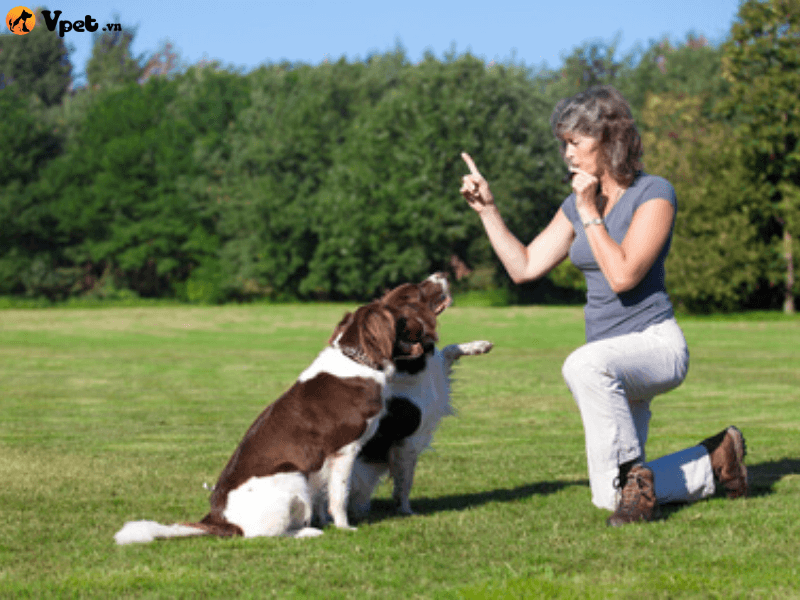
[{"x": 339, "y": 180}]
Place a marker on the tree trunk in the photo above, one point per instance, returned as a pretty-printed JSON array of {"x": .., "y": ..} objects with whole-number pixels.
[{"x": 788, "y": 302}]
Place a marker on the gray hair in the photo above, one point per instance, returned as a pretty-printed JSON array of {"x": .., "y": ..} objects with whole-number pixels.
[{"x": 603, "y": 113}]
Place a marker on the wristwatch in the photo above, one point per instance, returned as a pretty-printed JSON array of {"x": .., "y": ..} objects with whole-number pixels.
[{"x": 597, "y": 221}]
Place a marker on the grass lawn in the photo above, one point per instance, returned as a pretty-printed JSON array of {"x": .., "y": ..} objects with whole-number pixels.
[{"x": 114, "y": 414}]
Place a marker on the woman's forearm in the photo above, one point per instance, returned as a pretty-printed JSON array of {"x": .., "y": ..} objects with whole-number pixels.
[
  {"x": 523, "y": 263},
  {"x": 512, "y": 253},
  {"x": 625, "y": 264}
]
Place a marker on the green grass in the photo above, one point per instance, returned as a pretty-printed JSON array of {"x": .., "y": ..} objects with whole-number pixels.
[{"x": 108, "y": 415}]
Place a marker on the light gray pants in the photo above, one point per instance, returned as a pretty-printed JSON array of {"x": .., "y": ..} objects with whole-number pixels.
[{"x": 613, "y": 382}]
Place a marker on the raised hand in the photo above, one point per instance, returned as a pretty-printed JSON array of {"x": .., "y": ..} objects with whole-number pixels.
[
  {"x": 474, "y": 187},
  {"x": 587, "y": 201}
]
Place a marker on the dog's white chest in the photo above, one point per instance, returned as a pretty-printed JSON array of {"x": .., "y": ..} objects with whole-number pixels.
[{"x": 430, "y": 388}]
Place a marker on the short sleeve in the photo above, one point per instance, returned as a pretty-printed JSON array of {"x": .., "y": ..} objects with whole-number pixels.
[
  {"x": 657, "y": 187},
  {"x": 568, "y": 206}
]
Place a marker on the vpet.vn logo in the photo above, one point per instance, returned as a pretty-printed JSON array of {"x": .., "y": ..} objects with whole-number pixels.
[
  {"x": 86, "y": 24},
  {"x": 20, "y": 20}
]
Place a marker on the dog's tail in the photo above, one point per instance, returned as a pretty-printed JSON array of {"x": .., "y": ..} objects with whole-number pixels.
[{"x": 143, "y": 532}]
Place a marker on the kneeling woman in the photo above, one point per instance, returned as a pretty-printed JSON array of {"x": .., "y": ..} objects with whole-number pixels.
[{"x": 616, "y": 227}]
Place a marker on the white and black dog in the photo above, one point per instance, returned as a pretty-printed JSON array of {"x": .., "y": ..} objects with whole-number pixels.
[
  {"x": 295, "y": 460},
  {"x": 418, "y": 398}
]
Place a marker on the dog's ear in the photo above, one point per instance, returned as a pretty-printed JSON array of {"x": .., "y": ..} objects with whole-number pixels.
[
  {"x": 378, "y": 333},
  {"x": 401, "y": 295},
  {"x": 370, "y": 331},
  {"x": 346, "y": 319}
]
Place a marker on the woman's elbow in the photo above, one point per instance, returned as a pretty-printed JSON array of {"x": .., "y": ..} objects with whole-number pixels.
[
  {"x": 521, "y": 278},
  {"x": 518, "y": 278},
  {"x": 623, "y": 284},
  {"x": 524, "y": 275},
  {"x": 518, "y": 271}
]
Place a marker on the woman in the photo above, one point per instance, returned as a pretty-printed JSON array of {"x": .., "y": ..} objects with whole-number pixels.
[{"x": 616, "y": 227}]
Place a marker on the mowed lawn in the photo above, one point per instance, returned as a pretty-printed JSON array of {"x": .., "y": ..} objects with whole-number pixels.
[{"x": 114, "y": 414}]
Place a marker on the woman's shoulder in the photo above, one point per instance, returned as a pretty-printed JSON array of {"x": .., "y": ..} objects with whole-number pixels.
[
  {"x": 568, "y": 206},
  {"x": 649, "y": 187}
]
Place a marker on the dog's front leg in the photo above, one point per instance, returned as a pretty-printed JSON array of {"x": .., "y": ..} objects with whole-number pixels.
[
  {"x": 338, "y": 485},
  {"x": 453, "y": 352},
  {"x": 402, "y": 463}
]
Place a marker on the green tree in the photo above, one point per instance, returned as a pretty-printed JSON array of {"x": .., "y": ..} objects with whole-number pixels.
[
  {"x": 692, "y": 67},
  {"x": 36, "y": 63},
  {"x": 209, "y": 99},
  {"x": 26, "y": 145},
  {"x": 391, "y": 207},
  {"x": 343, "y": 178},
  {"x": 280, "y": 153},
  {"x": 127, "y": 203},
  {"x": 590, "y": 64},
  {"x": 111, "y": 61},
  {"x": 113, "y": 193},
  {"x": 717, "y": 257},
  {"x": 761, "y": 61}
]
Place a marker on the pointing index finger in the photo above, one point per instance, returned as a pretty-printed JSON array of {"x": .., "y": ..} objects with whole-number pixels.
[{"x": 471, "y": 164}]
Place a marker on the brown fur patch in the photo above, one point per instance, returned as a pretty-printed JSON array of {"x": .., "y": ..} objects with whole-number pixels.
[
  {"x": 427, "y": 292},
  {"x": 297, "y": 432},
  {"x": 370, "y": 331}
]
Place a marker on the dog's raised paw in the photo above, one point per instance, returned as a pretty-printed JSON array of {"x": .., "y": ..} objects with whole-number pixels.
[{"x": 475, "y": 348}]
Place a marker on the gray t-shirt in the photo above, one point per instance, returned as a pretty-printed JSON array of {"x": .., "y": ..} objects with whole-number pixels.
[{"x": 609, "y": 314}]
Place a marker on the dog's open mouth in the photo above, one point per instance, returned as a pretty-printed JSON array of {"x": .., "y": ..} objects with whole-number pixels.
[
  {"x": 410, "y": 351},
  {"x": 413, "y": 350},
  {"x": 442, "y": 303},
  {"x": 442, "y": 298}
]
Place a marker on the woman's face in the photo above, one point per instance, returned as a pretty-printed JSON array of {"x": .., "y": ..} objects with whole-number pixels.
[{"x": 583, "y": 152}]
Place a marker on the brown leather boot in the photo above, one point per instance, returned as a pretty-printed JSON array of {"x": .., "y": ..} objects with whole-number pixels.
[
  {"x": 727, "y": 450},
  {"x": 638, "y": 502}
]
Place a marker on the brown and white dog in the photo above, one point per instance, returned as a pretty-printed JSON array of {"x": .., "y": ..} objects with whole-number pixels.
[
  {"x": 418, "y": 398},
  {"x": 295, "y": 460}
]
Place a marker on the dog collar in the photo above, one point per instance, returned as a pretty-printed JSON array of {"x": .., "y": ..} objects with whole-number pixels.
[{"x": 358, "y": 356}]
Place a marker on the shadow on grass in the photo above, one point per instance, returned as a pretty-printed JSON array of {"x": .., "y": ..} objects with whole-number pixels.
[
  {"x": 761, "y": 479},
  {"x": 763, "y": 476},
  {"x": 384, "y": 509}
]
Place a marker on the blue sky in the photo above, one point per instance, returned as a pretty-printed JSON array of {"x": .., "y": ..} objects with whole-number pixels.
[{"x": 537, "y": 33}]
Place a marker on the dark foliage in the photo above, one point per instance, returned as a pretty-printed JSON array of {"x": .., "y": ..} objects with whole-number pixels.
[{"x": 339, "y": 180}]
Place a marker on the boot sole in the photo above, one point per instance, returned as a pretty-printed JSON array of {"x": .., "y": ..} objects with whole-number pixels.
[{"x": 740, "y": 447}]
